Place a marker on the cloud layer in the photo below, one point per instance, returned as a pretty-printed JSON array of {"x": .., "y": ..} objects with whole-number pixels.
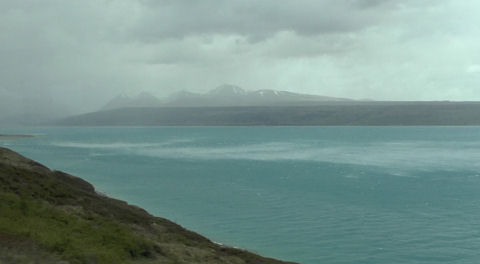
[{"x": 78, "y": 55}]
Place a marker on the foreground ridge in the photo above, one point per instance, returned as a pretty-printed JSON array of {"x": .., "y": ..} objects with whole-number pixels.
[{"x": 53, "y": 217}]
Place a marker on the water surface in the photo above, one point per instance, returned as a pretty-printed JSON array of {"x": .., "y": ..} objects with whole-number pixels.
[{"x": 306, "y": 194}]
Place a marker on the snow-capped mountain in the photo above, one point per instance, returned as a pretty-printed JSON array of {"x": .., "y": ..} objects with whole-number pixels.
[
  {"x": 231, "y": 95},
  {"x": 227, "y": 90}
]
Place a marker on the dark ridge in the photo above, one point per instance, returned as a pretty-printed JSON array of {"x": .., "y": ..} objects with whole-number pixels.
[{"x": 325, "y": 114}]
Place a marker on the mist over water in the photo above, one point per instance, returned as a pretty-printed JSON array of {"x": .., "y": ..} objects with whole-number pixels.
[
  {"x": 306, "y": 194},
  {"x": 401, "y": 155}
]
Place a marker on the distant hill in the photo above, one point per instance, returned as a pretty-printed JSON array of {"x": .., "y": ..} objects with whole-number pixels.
[
  {"x": 328, "y": 113},
  {"x": 55, "y": 218},
  {"x": 143, "y": 99}
]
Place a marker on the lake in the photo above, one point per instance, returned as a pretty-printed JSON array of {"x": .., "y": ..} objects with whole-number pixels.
[{"x": 305, "y": 194}]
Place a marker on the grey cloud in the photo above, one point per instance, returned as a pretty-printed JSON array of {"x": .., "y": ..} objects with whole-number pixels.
[
  {"x": 80, "y": 54},
  {"x": 255, "y": 19},
  {"x": 376, "y": 3}
]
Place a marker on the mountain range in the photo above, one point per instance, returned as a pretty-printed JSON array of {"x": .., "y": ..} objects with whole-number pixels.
[
  {"x": 222, "y": 96},
  {"x": 230, "y": 105}
]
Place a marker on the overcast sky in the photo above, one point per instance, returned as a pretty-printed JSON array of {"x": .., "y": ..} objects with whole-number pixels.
[{"x": 77, "y": 55}]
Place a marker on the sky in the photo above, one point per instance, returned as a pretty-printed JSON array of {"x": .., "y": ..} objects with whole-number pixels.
[{"x": 74, "y": 56}]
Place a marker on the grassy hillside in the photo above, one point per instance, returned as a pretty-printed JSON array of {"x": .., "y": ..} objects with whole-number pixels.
[{"x": 52, "y": 217}]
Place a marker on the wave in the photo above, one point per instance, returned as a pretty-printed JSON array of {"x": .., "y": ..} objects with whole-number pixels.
[{"x": 118, "y": 145}]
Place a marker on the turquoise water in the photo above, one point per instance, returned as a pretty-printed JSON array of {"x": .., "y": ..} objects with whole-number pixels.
[{"x": 305, "y": 194}]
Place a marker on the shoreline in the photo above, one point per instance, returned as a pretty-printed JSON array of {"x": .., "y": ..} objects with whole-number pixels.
[{"x": 77, "y": 224}]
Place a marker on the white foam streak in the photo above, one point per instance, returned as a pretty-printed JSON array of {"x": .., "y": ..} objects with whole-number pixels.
[
  {"x": 119, "y": 145},
  {"x": 397, "y": 156},
  {"x": 394, "y": 156}
]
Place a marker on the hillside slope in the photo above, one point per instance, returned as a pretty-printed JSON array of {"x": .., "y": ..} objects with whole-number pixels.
[{"x": 52, "y": 217}]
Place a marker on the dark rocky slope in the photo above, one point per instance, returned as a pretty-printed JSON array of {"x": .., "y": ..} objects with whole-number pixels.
[{"x": 52, "y": 217}]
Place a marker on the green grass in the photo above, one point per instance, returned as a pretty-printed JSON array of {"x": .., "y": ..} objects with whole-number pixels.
[{"x": 79, "y": 238}]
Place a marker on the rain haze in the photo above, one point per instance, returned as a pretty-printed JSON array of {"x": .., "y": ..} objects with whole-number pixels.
[
  {"x": 72, "y": 57},
  {"x": 240, "y": 131}
]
